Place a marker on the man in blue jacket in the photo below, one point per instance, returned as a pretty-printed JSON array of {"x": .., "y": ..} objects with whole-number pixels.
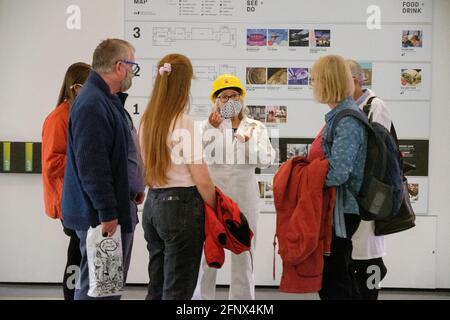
[{"x": 98, "y": 187}]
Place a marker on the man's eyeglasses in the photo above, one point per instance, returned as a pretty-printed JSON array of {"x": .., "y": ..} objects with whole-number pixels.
[
  {"x": 224, "y": 98},
  {"x": 134, "y": 65}
]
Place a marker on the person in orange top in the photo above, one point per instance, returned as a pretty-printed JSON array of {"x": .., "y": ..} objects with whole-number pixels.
[{"x": 54, "y": 143}]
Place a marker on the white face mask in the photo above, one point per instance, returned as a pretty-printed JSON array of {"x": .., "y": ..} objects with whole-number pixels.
[{"x": 231, "y": 109}]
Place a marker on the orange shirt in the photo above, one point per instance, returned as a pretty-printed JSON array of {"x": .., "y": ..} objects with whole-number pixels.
[{"x": 54, "y": 144}]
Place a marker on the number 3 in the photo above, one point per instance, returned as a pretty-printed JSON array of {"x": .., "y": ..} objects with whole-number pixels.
[{"x": 137, "y": 32}]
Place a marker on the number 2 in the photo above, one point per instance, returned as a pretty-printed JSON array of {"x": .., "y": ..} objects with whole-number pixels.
[{"x": 136, "y": 73}]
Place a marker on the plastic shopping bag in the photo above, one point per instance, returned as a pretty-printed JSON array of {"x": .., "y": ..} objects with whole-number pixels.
[{"x": 105, "y": 262}]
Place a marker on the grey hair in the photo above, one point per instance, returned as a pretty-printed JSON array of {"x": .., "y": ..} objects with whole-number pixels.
[
  {"x": 355, "y": 68},
  {"x": 108, "y": 52}
]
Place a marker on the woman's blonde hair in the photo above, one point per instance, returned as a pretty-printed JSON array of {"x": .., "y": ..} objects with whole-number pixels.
[
  {"x": 331, "y": 79},
  {"x": 244, "y": 110},
  {"x": 170, "y": 98}
]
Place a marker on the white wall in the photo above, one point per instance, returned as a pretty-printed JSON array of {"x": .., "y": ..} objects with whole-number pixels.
[
  {"x": 439, "y": 165},
  {"x": 36, "y": 50}
]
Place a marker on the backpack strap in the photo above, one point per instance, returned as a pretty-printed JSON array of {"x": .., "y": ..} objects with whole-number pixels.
[
  {"x": 345, "y": 113},
  {"x": 368, "y": 106},
  {"x": 394, "y": 133},
  {"x": 366, "y": 110},
  {"x": 404, "y": 165}
]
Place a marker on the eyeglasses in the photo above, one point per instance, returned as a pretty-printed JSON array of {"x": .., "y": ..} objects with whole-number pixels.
[
  {"x": 75, "y": 86},
  {"x": 224, "y": 98},
  {"x": 134, "y": 65}
]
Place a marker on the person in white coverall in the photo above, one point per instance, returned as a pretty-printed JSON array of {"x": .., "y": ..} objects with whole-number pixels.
[
  {"x": 234, "y": 146},
  {"x": 368, "y": 249}
]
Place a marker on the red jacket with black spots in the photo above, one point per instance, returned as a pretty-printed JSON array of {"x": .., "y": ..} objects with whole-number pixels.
[{"x": 225, "y": 228}]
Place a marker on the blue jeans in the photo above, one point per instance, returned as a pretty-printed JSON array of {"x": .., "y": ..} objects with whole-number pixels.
[
  {"x": 174, "y": 228},
  {"x": 127, "y": 245}
]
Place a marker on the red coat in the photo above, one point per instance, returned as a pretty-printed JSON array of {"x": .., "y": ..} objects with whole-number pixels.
[
  {"x": 54, "y": 144},
  {"x": 304, "y": 222},
  {"x": 225, "y": 228}
]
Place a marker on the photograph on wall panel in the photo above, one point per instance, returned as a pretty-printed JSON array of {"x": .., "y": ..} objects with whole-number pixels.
[{"x": 415, "y": 153}]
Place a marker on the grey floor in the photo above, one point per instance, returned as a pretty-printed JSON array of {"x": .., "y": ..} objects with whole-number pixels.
[{"x": 137, "y": 292}]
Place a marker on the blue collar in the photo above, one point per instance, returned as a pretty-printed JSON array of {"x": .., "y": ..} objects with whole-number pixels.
[
  {"x": 96, "y": 80},
  {"x": 363, "y": 97},
  {"x": 349, "y": 102},
  {"x": 118, "y": 99},
  {"x": 123, "y": 97}
]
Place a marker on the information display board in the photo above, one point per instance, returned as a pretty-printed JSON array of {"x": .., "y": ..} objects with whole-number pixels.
[{"x": 271, "y": 45}]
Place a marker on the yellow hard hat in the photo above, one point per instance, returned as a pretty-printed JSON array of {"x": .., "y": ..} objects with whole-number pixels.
[{"x": 225, "y": 81}]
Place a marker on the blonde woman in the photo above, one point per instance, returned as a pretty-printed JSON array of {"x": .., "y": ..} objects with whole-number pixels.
[
  {"x": 235, "y": 146},
  {"x": 173, "y": 217},
  {"x": 346, "y": 150}
]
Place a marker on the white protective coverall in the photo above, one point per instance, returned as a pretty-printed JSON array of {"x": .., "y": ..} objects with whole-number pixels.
[{"x": 238, "y": 181}]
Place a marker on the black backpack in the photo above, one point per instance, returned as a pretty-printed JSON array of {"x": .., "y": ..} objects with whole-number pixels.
[
  {"x": 405, "y": 217},
  {"x": 381, "y": 192}
]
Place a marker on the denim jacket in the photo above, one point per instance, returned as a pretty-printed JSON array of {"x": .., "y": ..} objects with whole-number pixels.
[{"x": 347, "y": 157}]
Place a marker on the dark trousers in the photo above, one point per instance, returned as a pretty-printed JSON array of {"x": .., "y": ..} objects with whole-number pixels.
[
  {"x": 173, "y": 220},
  {"x": 366, "y": 277},
  {"x": 339, "y": 282},
  {"x": 73, "y": 263}
]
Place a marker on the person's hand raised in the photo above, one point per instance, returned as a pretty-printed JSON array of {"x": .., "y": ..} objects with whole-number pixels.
[{"x": 215, "y": 119}]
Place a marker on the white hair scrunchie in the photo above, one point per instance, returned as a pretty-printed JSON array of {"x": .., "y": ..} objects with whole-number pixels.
[{"x": 166, "y": 68}]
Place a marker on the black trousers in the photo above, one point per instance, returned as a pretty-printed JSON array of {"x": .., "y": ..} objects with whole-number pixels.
[
  {"x": 73, "y": 260},
  {"x": 174, "y": 228},
  {"x": 366, "y": 277},
  {"x": 339, "y": 282}
]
